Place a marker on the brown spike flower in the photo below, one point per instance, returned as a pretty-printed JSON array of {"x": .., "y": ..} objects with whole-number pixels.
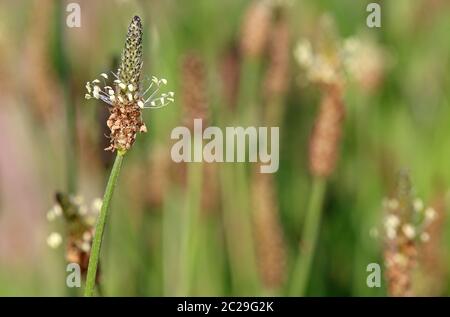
[
  {"x": 270, "y": 244},
  {"x": 194, "y": 98},
  {"x": 229, "y": 67},
  {"x": 42, "y": 87},
  {"x": 126, "y": 96},
  {"x": 277, "y": 76},
  {"x": 324, "y": 143},
  {"x": 131, "y": 60},
  {"x": 256, "y": 28}
]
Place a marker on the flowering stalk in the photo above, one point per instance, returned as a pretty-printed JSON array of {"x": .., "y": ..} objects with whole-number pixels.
[
  {"x": 126, "y": 97},
  {"x": 195, "y": 106},
  {"x": 236, "y": 216},
  {"x": 309, "y": 238},
  {"x": 276, "y": 79},
  {"x": 323, "y": 151},
  {"x": 406, "y": 227},
  {"x": 99, "y": 228}
]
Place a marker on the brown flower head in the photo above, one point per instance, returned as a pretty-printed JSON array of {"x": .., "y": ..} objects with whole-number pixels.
[
  {"x": 193, "y": 89},
  {"x": 255, "y": 28},
  {"x": 325, "y": 138},
  {"x": 126, "y": 96},
  {"x": 277, "y": 77}
]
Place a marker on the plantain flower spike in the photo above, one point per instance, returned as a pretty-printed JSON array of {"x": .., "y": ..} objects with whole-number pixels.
[{"x": 126, "y": 95}]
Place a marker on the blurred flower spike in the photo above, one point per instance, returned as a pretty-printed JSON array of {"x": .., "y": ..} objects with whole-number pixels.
[
  {"x": 126, "y": 95},
  {"x": 405, "y": 226},
  {"x": 321, "y": 59},
  {"x": 78, "y": 219}
]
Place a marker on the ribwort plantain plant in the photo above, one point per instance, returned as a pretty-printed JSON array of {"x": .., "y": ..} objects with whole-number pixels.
[
  {"x": 79, "y": 220},
  {"x": 126, "y": 96},
  {"x": 406, "y": 227},
  {"x": 324, "y": 68}
]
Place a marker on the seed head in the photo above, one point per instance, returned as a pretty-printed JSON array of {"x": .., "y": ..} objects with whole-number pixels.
[
  {"x": 193, "y": 90},
  {"x": 277, "y": 78},
  {"x": 255, "y": 28},
  {"x": 131, "y": 61},
  {"x": 229, "y": 70},
  {"x": 405, "y": 228},
  {"x": 126, "y": 95},
  {"x": 270, "y": 243},
  {"x": 324, "y": 143}
]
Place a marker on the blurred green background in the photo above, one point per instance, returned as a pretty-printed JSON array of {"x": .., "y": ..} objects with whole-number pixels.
[{"x": 52, "y": 140}]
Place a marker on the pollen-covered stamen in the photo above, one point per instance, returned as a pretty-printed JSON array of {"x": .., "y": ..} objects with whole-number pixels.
[
  {"x": 156, "y": 102},
  {"x": 161, "y": 101},
  {"x": 94, "y": 91}
]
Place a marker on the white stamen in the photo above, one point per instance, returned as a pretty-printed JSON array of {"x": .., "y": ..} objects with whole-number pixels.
[
  {"x": 88, "y": 87},
  {"x": 85, "y": 246},
  {"x": 430, "y": 214},
  {"x": 54, "y": 240},
  {"x": 392, "y": 221},
  {"x": 97, "y": 204},
  {"x": 96, "y": 92},
  {"x": 57, "y": 210},
  {"x": 409, "y": 231}
]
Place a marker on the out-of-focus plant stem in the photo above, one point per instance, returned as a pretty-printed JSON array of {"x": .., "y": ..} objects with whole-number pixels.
[
  {"x": 63, "y": 69},
  {"x": 303, "y": 263},
  {"x": 249, "y": 83},
  {"x": 100, "y": 226},
  {"x": 235, "y": 191},
  {"x": 238, "y": 234},
  {"x": 191, "y": 228},
  {"x": 274, "y": 111}
]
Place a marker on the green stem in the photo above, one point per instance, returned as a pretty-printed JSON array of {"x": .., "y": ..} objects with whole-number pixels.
[
  {"x": 309, "y": 238},
  {"x": 238, "y": 230},
  {"x": 191, "y": 228},
  {"x": 95, "y": 251}
]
